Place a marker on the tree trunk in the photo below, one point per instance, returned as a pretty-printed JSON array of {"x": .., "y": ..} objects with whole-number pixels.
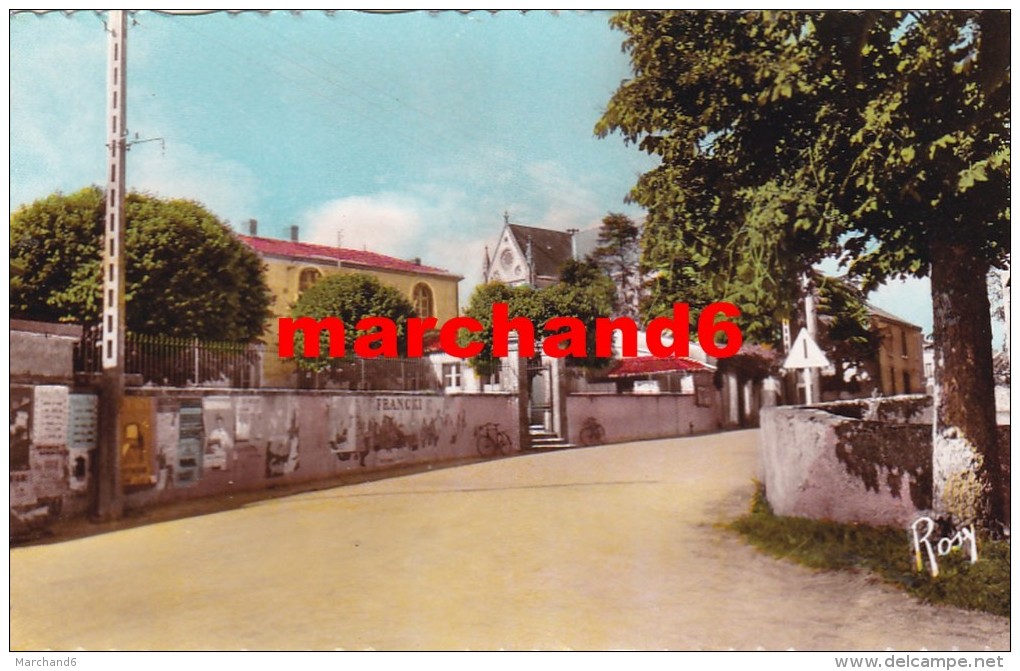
[{"x": 965, "y": 460}]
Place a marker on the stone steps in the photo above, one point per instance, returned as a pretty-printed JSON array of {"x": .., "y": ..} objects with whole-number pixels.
[{"x": 546, "y": 440}]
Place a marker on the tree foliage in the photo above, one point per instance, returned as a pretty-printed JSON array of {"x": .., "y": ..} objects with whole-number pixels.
[
  {"x": 584, "y": 292},
  {"x": 187, "y": 274},
  {"x": 848, "y": 337},
  {"x": 618, "y": 254},
  {"x": 349, "y": 297},
  {"x": 787, "y": 137},
  {"x": 877, "y": 137}
]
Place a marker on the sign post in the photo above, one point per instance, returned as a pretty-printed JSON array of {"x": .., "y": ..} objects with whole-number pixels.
[{"x": 806, "y": 355}]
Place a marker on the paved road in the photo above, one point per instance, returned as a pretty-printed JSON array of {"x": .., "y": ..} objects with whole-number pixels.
[{"x": 604, "y": 548}]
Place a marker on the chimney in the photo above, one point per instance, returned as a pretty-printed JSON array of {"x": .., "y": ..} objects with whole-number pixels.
[
  {"x": 253, "y": 227},
  {"x": 416, "y": 260},
  {"x": 293, "y": 233}
]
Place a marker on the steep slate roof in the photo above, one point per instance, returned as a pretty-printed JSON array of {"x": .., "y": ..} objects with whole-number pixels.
[
  {"x": 350, "y": 258},
  {"x": 652, "y": 365},
  {"x": 549, "y": 249}
]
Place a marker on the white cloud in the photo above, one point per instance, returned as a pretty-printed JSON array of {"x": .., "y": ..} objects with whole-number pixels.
[
  {"x": 227, "y": 188},
  {"x": 433, "y": 224},
  {"x": 387, "y": 223}
]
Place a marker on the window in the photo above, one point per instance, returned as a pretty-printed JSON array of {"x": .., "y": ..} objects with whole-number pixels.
[
  {"x": 424, "y": 304},
  {"x": 451, "y": 375},
  {"x": 307, "y": 278}
]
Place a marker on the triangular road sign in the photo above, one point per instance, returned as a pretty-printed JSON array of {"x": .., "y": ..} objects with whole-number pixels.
[{"x": 805, "y": 353}]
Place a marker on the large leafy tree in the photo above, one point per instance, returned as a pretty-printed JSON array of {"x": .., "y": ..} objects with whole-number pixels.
[
  {"x": 878, "y": 137},
  {"x": 187, "y": 274},
  {"x": 350, "y": 298}
]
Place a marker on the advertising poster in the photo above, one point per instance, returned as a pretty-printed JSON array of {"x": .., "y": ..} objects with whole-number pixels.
[
  {"x": 249, "y": 408},
  {"x": 48, "y": 455},
  {"x": 343, "y": 435},
  {"x": 218, "y": 452},
  {"x": 82, "y": 434},
  {"x": 137, "y": 455},
  {"x": 49, "y": 425},
  {"x": 21, "y": 427},
  {"x": 283, "y": 455},
  {"x": 168, "y": 432},
  {"x": 249, "y": 439},
  {"x": 189, "y": 446},
  {"x": 22, "y": 492},
  {"x": 49, "y": 471}
]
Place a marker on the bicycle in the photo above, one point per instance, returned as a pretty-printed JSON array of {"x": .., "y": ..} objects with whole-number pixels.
[
  {"x": 592, "y": 432},
  {"x": 490, "y": 440}
]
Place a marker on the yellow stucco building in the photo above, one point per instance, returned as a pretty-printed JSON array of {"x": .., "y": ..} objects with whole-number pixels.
[{"x": 293, "y": 266}]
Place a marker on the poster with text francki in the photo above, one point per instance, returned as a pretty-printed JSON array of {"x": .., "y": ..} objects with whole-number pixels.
[{"x": 511, "y": 330}]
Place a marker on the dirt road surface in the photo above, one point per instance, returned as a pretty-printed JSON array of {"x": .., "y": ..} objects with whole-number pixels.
[{"x": 614, "y": 547}]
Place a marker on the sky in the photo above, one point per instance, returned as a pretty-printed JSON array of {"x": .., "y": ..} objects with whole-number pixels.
[{"x": 409, "y": 134}]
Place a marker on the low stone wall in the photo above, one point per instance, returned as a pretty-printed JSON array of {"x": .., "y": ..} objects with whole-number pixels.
[
  {"x": 867, "y": 461},
  {"x": 822, "y": 465},
  {"x": 613, "y": 418},
  {"x": 187, "y": 443},
  {"x": 42, "y": 352}
]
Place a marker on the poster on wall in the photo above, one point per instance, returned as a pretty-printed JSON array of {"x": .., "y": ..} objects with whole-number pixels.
[
  {"x": 48, "y": 454},
  {"x": 82, "y": 433},
  {"x": 136, "y": 442},
  {"x": 343, "y": 435},
  {"x": 283, "y": 454},
  {"x": 168, "y": 412},
  {"x": 249, "y": 408},
  {"x": 218, "y": 419},
  {"x": 49, "y": 425},
  {"x": 189, "y": 445},
  {"x": 49, "y": 471},
  {"x": 21, "y": 427},
  {"x": 22, "y": 492}
]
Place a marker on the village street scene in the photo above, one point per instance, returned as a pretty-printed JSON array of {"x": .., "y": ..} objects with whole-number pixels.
[{"x": 502, "y": 331}]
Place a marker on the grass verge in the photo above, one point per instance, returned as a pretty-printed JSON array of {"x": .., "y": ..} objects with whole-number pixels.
[{"x": 885, "y": 551}]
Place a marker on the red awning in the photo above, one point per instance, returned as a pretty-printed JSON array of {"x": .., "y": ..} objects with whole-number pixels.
[{"x": 642, "y": 366}]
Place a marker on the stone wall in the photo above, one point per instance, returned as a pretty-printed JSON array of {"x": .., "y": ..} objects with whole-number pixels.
[
  {"x": 866, "y": 461},
  {"x": 613, "y": 418},
  {"x": 187, "y": 443},
  {"x": 42, "y": 352},
  {"x": 819, "y": 464}
]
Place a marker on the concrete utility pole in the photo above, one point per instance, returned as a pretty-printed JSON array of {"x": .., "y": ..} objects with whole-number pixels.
[
  {"x": 813, "y": 378},
  {"x": 109, "y": 500}
]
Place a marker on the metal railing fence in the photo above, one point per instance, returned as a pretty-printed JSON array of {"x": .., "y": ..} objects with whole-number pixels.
[{"x": 177, "y": 362}]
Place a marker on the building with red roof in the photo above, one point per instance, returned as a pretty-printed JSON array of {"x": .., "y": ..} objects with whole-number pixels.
[{"x": 293, "y": 266}]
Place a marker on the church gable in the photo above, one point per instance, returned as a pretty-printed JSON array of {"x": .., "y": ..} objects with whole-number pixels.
[
  {"x": 528, "y": 255},
  {"x": 508, "y": 263}
]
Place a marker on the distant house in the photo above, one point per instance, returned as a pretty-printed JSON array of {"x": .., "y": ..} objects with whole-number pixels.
[
  {"x": 292, "y": 267},
  {"x": 899, "y": 366}
]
